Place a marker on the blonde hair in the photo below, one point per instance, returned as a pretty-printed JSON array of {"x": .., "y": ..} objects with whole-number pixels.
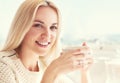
[{"x": 23, "y": 21}]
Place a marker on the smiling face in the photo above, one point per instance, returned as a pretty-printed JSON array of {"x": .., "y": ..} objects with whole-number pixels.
[{"x": 42, "y": 34}]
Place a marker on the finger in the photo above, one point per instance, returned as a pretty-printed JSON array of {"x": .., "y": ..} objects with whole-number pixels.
[
  {"x": 77, "y": 50},
  {"x": 89, "y": 61},
  {"x": 78, "y": 64},
  {"x": 78, "y": 57},
  {"x": 71, "y": 52},
  {"x": 67, "y": 54},
  {"x": 84, "y": 44}
]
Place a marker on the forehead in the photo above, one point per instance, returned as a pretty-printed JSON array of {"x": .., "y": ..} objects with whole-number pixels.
[{"x": 46, "y": 14}]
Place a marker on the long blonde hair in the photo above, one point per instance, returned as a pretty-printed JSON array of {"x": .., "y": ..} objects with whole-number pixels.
[{"x": 23, "y": 21}]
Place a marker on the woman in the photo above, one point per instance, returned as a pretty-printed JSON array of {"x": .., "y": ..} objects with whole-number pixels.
[{"x": 32, "y": 54}]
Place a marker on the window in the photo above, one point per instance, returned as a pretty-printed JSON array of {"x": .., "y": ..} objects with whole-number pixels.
[{"x": 96, "y": 22}]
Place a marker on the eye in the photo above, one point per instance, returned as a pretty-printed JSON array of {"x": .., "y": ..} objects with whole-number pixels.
[
  {"x": 37, "y": 25},
  {"x": 53, "y": 28}
]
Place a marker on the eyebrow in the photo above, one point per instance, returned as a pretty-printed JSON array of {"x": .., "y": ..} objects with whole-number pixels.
[{"x": 43, "y": 22}]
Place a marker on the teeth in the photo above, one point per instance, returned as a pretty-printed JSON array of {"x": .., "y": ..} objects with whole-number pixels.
[{"x": 43, "y": 43}]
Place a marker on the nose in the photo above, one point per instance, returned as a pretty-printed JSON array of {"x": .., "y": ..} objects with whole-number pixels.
[{"x": 46, "y": 34}]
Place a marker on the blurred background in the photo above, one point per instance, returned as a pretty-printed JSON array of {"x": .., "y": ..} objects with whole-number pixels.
[{"x": 96, "y": 22}]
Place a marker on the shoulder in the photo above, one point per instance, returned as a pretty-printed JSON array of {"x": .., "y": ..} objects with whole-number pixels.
[
  {"x": 4, "y": 67},
  {"x": 7, "y": 53},
  {"x": 6, "y": 62},
  {"x": 6, "y": 73},
  {"x": 5, "y": 57}
]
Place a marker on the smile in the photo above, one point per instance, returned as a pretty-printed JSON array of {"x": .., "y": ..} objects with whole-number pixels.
[{"x": 42, "y": 44}]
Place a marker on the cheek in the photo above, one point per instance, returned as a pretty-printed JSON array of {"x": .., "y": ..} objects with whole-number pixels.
[
  {"x": 30, "y": 36},
  {"x": 54, "y": 36}
]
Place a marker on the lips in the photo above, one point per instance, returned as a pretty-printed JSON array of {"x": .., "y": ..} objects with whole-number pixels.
[{"x": 42, "y": 44}]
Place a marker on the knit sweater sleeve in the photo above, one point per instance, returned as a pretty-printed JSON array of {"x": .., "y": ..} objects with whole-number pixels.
[{"x": 6, "y": 74}]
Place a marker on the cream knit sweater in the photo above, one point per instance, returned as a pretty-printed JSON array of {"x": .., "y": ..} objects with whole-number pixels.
[{"x": 13, "y": 71}]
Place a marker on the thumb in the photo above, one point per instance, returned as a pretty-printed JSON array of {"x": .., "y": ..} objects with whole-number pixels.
[{"x": 84, "y": 44}]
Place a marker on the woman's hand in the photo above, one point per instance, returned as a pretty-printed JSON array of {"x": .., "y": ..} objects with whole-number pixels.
[
  {"x": 72, "y": 59},
  {"x": 77, "y": 58}
]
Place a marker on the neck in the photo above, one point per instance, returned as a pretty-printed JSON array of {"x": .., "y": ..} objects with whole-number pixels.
[
  {"x": 33, "y": 67},
  {"x": 29, "y": 60}
]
